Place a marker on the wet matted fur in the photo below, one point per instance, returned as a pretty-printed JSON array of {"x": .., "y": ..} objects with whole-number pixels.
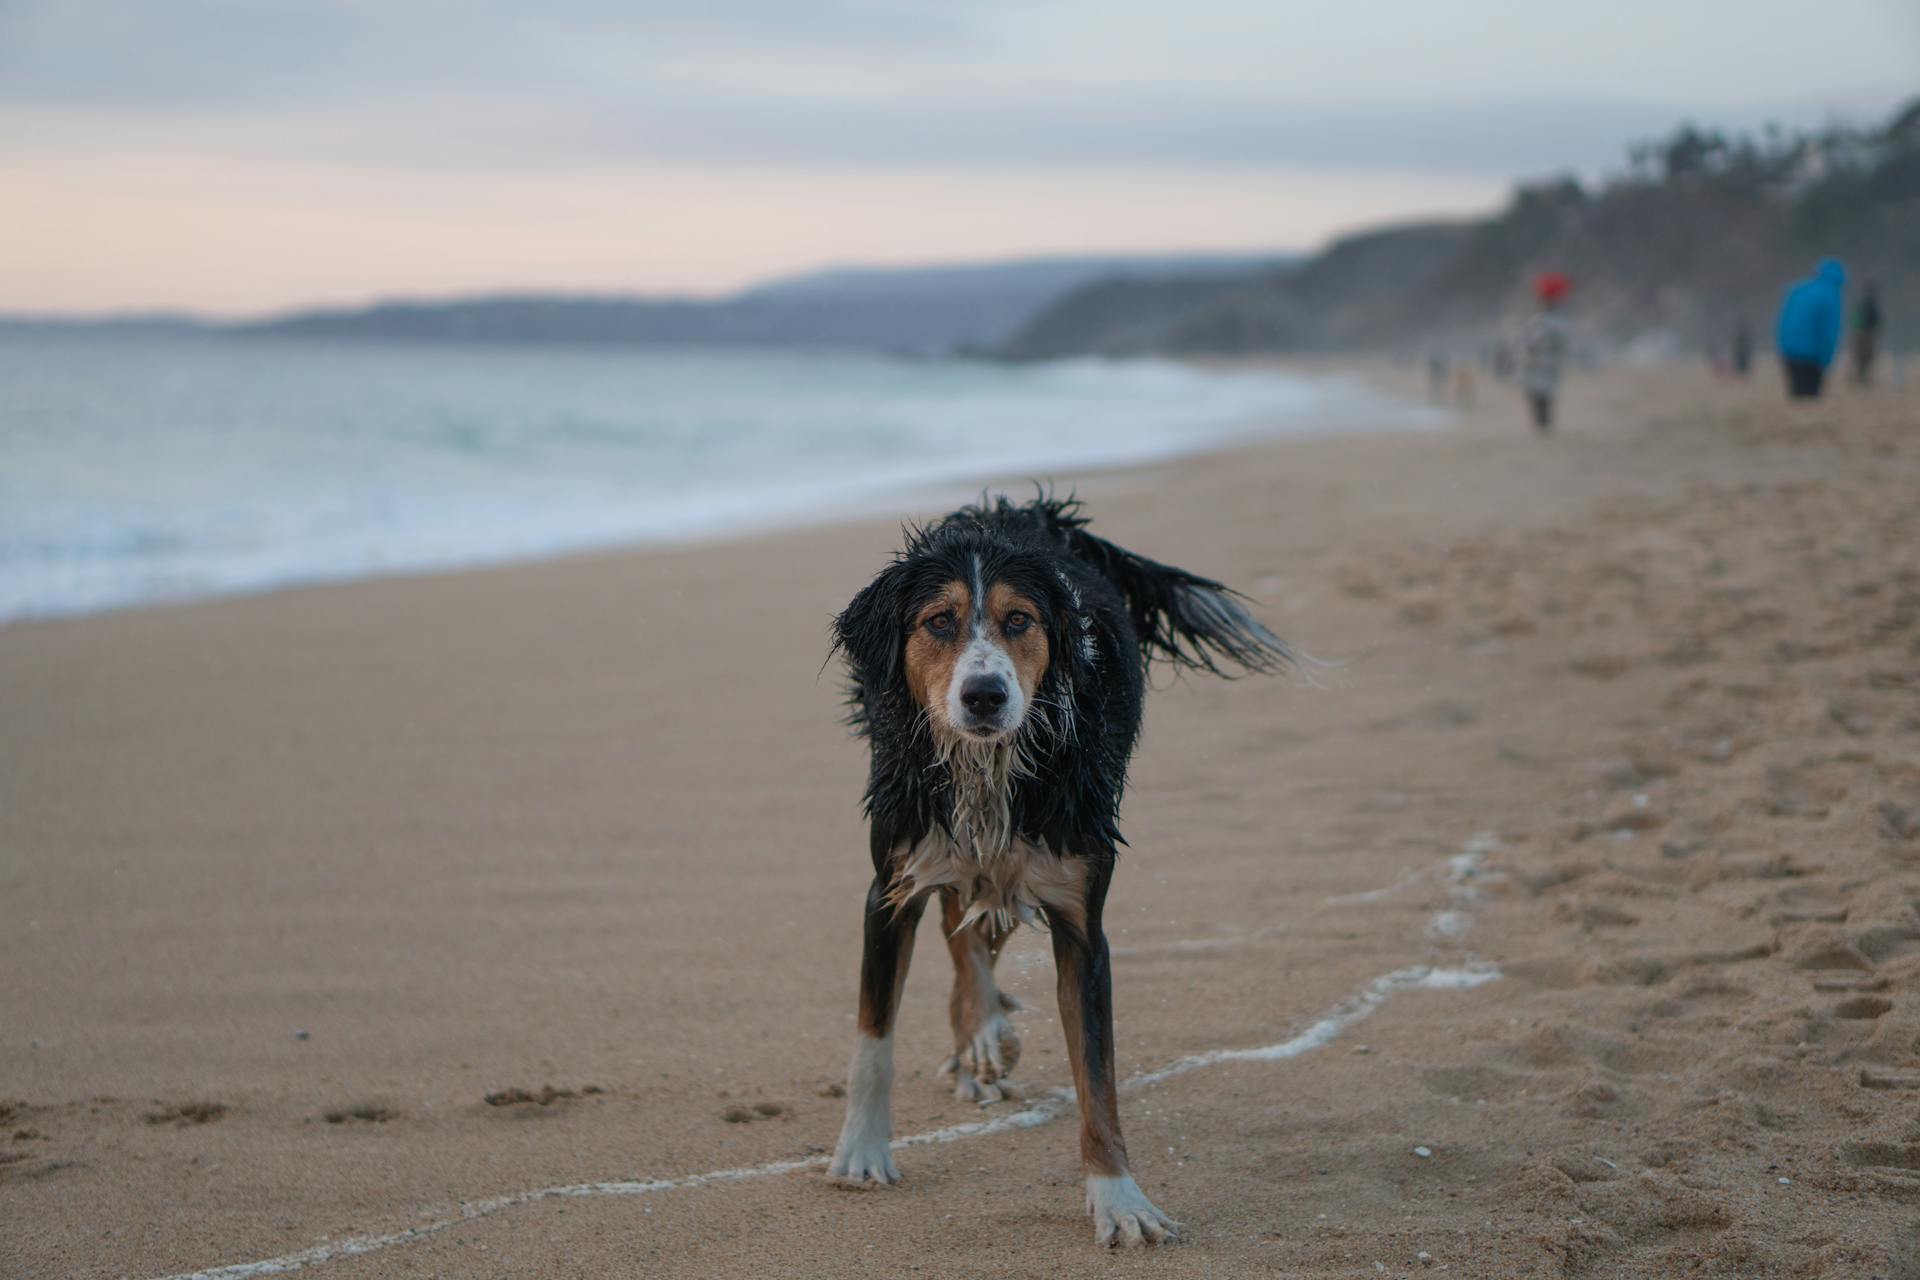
[{"x": 998, "y": 669}]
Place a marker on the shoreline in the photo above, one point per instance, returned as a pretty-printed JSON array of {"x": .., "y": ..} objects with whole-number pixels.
[
  {"x": 1343, "y": 403},
  {"x": 1351, "y": 402},
  {"x": 293, "y": 885}
]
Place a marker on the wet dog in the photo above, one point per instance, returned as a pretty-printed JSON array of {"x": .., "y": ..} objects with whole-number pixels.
[{"x": 998, "y": 670}]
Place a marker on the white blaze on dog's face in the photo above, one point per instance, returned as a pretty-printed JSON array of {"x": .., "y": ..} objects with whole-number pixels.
[{"x": 975, "y": 656}]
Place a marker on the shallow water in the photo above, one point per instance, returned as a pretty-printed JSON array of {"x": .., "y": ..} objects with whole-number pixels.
[{"x": 142, "y": 469}]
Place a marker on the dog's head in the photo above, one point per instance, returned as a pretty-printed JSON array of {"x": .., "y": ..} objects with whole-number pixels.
[{"x": 965, "y": 628}]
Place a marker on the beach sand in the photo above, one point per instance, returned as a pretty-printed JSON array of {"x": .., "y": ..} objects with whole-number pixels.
[{"x": 1622, "y": 738}]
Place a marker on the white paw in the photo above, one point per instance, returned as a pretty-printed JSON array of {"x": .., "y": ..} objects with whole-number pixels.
[
  {"x": 1122, "y": 1214},
  {"x": 862, "y": 1160},
  {"x": 862, "y": 1156}
]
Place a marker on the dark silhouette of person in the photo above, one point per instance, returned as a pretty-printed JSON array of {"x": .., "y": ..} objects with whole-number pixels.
[
  {"x": 1866, "y": 332},
  {"x": 1742, "y": 349},
  {"x": 1808, "y": 331}
]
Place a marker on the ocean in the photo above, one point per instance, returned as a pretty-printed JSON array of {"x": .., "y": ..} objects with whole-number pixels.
[{"x": 140, "y": 469}]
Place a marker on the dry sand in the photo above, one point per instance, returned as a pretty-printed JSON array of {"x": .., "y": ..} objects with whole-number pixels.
[{"x": 293, "y": 888}]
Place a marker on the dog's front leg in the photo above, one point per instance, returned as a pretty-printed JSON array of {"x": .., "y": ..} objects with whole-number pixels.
[
  {"x": 985, "y": 1046},
  {"x": 863, "y": 1151},
  {"x": 1122, "y": 1214}
]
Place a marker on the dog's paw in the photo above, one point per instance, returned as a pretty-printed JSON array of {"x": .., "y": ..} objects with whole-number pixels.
[
  {"x": 864, "y": 1162},
  {"x": 979, "y": 1070},
  {"x": 994, "y": 1050},
  {"x": 967, "y": 1087},
  {"x": 1123, "y": 1216}
]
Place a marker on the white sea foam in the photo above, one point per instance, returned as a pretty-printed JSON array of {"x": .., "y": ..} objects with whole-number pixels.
[{"x": 143, "y": 470}]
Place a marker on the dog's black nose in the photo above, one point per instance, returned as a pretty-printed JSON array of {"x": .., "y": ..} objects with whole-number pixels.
[{"x": 983, "y": 695}]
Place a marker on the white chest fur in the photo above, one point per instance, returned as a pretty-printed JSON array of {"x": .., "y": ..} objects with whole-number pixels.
[
  {"x": 1022, "y": 882},
  {"x": 992, "y": 871}
]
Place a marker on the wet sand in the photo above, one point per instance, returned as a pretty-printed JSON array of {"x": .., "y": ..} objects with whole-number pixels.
[{"x": 363, "y": 916}]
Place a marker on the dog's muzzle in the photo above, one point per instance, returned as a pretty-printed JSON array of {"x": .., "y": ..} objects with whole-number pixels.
[{"x": 984, "y": 700}]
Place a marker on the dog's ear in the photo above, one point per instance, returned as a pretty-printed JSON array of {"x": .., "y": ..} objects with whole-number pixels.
[
  {"x": 872, "y": 631},
  {"x": 1069, "y": 633}
]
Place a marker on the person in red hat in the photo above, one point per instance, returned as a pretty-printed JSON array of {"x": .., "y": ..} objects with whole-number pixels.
[{"x": 1543, "y": 347}]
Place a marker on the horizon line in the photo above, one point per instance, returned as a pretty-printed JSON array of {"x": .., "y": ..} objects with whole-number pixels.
[{"x": 161, "y": 313}]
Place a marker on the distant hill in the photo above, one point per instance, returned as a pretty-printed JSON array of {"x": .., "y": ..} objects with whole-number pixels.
[
  {"x": 129, "y": 322},
  {"x": 1345, "y": 289},
  {"x": 1703, "y": 231},
  {"x": 1039, "y": 278},
  {"x": 924, "y": 310}
]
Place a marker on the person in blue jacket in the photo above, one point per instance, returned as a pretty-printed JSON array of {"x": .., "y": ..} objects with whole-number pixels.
[{"x": 1809, "y": 329}]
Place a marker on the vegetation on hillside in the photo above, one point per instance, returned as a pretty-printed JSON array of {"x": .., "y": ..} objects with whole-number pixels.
[{"x": 1701, "y": 231}]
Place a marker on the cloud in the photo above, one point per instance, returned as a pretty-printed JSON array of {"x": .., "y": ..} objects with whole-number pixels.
[
  {"x": 235, "y": 153},
  {"x": 910, "y": 83},
  {"x": 179, "y": 56},
  {"x": 1035, "y": 128}
]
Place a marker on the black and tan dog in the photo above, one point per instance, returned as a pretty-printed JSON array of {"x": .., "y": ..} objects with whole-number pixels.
[{"x": 999, "y": 665}]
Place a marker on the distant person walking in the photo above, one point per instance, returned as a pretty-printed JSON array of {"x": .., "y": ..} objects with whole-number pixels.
[
  {"x": 1808, "y": 332},
  {"x": 1543, "y": 348},
  {"x": 1866, "y": 332},
  {"x": 1742, "y": 349}
]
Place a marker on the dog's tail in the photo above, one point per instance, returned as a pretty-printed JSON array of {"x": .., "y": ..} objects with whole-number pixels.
[{"x": 1188, "y": 621}]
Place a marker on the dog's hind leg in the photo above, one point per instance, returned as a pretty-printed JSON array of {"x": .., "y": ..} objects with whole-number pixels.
[
  {"x": 863, "y": 1152},
  {"x": 1122, "y": 1214},
  {"x": 985, "y": 1048}
]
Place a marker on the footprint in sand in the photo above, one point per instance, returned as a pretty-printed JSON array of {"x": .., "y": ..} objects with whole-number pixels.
[
  {"x": 1817, "y": 947},
  {"x": 1892, "y": 1166},
  {"x": 1440, "y": 714},
  {"x": 545, "y": 1096},
  {"x": 1863, "y": 1008},
  {"x": 1591, "y": 915},
  {"x": 1600, "y": 666},
  {"x": 1899, "y": 822},
  {"x": 187, "y": 1113},
  {"x": 1804, "y": 904}
]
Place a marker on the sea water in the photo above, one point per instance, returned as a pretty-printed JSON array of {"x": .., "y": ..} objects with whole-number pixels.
[{"x": 139, "y": 469}]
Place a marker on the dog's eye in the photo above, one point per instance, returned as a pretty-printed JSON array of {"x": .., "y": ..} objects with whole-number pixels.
[
  {"x": 1017, "y": 622},
  {"x": 941, "y": 623}
]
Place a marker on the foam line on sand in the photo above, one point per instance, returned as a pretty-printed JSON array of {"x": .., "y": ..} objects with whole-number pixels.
[{"x": 1040, "y": 1111}]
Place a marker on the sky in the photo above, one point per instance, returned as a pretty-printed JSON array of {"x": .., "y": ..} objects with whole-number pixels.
[{"x": 238, "y": 157}]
